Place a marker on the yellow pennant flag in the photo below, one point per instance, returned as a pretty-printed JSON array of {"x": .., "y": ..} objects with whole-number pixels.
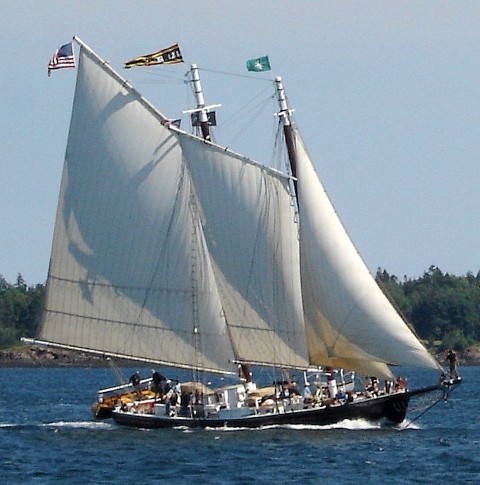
[{"x": 170, "y": 55}]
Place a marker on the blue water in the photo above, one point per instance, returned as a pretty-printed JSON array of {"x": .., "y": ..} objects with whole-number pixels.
[{"x": 47, "y": 435}]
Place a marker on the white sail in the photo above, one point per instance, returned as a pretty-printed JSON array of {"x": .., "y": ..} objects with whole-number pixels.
[
  {"x": 174, "y": 250},
  {"x": 130, "y": 274},
  {"x": 349, "y": 321},
  {"x": 249, "y": 224}
]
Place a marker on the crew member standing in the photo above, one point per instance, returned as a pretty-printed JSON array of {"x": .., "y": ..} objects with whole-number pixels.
[{"x": 452, "y": 361}]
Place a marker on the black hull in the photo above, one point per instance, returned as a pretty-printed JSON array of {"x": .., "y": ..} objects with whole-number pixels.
[
  {"x": 391, "y": 407},
  {"x": 102, "y": 413}
]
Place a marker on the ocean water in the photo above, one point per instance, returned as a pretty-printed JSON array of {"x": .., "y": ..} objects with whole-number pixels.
[{"x": 47, "y": 435}]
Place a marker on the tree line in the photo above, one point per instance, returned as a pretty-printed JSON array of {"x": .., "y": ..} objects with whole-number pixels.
[
  {"x": 442, "y": 309},
  {"x": 20, "y": 310}
]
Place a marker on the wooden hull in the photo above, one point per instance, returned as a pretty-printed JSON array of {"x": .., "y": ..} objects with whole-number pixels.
[{"x": 391, "y": 407}]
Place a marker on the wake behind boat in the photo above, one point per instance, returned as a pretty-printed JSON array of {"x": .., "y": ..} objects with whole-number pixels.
[{"x": 172, "y": 250}]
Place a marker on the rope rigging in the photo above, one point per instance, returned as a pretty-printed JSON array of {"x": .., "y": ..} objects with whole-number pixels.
[
  {"x": 242, "y": 119},
  {"x": 447, "y": 390}
]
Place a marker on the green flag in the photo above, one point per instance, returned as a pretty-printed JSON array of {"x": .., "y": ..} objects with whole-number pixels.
[{"x": 259, "y": 65}]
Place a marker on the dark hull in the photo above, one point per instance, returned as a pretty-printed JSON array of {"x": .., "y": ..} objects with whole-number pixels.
[{"x": 392, "y": 407}]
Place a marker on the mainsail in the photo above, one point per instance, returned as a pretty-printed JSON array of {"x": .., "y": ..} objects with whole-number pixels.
[
  {"x": 173, "y": 250},
  {"x": 127, "y": 243}
]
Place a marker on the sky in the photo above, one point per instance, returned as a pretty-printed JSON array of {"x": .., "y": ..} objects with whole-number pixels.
[{"x": 386, "y": 95}]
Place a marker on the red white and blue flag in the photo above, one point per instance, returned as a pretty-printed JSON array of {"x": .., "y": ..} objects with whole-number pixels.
[{"x": 62, "y": 58}]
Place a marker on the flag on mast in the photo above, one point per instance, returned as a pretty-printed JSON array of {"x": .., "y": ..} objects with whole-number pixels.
[
  {"x": 62, "y": 58},
  {"x": 170, "y": 55},
  {"x": 260, "y": 64}
]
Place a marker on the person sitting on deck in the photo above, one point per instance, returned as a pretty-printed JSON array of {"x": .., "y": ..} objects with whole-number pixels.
[
  {"x": 372, "y": 387},
  {"x": 293, "y": 388},
  {"x": 400, "y": 384},
  {"x": 307, "y": 394},
  {"x": 341, "y": 396}
]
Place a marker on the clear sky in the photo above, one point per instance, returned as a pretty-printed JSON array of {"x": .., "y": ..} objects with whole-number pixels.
[{"x": 387, "y": 96}]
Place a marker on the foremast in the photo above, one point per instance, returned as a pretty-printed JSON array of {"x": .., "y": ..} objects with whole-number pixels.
[{"x": 202, "y": 110}]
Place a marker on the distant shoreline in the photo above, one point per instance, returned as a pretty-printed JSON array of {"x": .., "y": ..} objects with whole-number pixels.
[{"x": 35, "y": 356}]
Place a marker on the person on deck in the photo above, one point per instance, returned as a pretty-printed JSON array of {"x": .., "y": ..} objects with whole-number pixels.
[
  {"x": 307, "y": 394},
  {"x": 400, "y": 384},
  {"x": 135, "y": 381},
  {"x": 167, "y": 390},
  {"x": 372, "y": 387},
  {"x": 157, "y": 380},
  {"x": 452, "y": 361},
  {"x": 293, "y": 388}
]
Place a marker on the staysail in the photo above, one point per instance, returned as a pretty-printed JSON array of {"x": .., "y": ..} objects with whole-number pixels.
[{"x": 349, "y": 321}]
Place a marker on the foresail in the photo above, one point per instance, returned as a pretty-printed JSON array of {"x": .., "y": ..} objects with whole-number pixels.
[
  {"x": 249, "y": 224},
  {"x": 130, "y": 273},
  {"x": 349, "y": 321}
]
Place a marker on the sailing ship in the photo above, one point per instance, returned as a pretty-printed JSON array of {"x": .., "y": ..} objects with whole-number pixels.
[{"x": 172, "y": 250}]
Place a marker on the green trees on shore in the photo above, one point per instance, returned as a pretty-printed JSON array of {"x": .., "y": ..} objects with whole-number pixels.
[
  {"x": 20, "y": 310},
  {"x": 443, "y": 309}
]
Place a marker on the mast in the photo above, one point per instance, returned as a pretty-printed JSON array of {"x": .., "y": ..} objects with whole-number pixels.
[
  {"x": 195, "y": 302},
  {"x": 285, "y": 115},
  {"x": 201, "y": 109}
]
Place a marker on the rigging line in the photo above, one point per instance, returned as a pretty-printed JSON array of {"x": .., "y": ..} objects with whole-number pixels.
[
  {"x": 108, "y": 321},
  {"x": 159, "y": 82},
  {"x": 422, "y": 413},
  {"x": 429, "y": 407},
  {"x": 254, "y": 78},
  {"x": 254, "y": 114},
  {"x": 246, "y": 107},
  {"x": 117, "y": 371},
  {"x": 248, "y": 123},
  {"x": 260, "y": 190},
  {"x": 162, "y": 78},
  {"x": 196, "y": 334},
  {"x": 161, "y": 255},
  {"x": 165, "y": 73},
  {"x": 98, "y": 284}
]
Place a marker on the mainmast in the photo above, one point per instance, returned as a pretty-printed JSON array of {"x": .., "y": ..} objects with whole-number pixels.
[
  {"x": 285, "y": 115},
  {"x": 201, "y": 110}
]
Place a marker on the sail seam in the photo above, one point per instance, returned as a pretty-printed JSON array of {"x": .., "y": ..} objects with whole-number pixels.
[
  {"x": 117, "y": 322},
  {"x": 115, "y": 287}
]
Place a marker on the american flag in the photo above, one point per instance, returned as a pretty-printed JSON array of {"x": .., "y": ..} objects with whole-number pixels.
[{"x": 62, "y": 58}]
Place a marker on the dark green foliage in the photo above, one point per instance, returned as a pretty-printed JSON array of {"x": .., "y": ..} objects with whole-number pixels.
[
  {"x": 20, "y": 310},
  {"x": 443, "y": 309}
]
